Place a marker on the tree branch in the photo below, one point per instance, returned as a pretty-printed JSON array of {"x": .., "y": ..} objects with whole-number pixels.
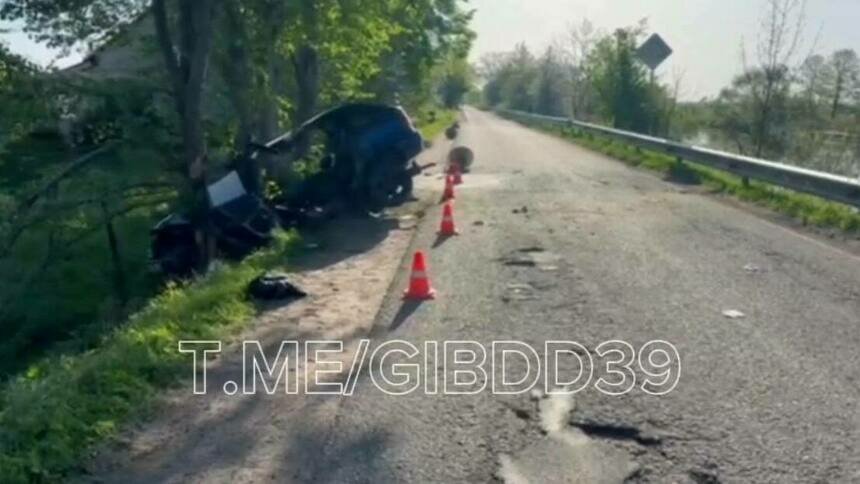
[{"x": 24, "y": 208}]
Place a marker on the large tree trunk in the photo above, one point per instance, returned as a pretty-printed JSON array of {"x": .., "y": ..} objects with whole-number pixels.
[
  {"x": 237, "y": 72},
  {"x": 306, "y": 68},
  {"x": 119, "y": 279},
  {"x": 837, "y": 96},
  {"x": 187, "y": 71}
]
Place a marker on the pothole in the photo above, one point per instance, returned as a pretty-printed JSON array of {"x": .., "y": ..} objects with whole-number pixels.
[
  {"x": 613, "y": 431},
  {"x": 565, "y": 454},
  {"x": 703, "y": 476},
  {"x": 533, "y": 256}
]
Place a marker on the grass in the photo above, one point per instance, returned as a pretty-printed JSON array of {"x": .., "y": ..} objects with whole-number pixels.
[
  {"x": 55, "y": 411},
  {"x": 74, "y": 298},
  {"x": 808, "y": 209}
]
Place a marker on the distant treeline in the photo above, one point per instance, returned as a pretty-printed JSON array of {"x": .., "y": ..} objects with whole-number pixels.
[{"x": 783, "y": 106}]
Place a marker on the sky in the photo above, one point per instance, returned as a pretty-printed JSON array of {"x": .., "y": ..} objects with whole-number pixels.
[{"x": 706, "y": 35}]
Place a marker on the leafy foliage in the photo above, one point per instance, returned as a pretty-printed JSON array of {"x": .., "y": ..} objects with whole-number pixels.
[
  {"x": 621, "y": 81},
  {"x": 597, "y": 76},
  {"x": 455, "y": 81},
  {"x": 60, "y": 407},
  {"x": 70, "y": 22}
]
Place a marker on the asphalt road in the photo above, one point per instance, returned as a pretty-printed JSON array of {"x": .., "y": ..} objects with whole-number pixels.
[{"x": 606, "y": 252}]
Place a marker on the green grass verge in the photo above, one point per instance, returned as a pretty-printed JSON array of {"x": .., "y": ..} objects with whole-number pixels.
[
  {"x": 808, "y": 209},
  {"x": 53, "y": 413}
]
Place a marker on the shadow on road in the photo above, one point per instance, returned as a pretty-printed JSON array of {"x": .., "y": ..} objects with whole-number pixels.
[
  {"x": 406, "y": 309},
  {"x": 354, "y": 455},
  {"x": 440, "y": 239},
  {"x": 340, "y": 239}
]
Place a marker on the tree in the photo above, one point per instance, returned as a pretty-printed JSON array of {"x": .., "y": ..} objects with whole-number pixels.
[
  {"x": 550, "y": 95},
  {"x": 576, "y": 46},
  {"x": 65, "y": 24},
  {"x": 517, "y": 79},
  {"x": 741, "y": 115},
  {"x": 429, "y": 31},
  {"x": 184, "y": 40},
  {"x": 186, "y": 58},
  {"x": 19, "y": 95},
  {"x": 768, "y": 81},
  {"x": 490, "y": 69},
  {"x": 842, "y": 78},
  {"x": 620, "y": 81},
  {"x": 810, "y": 77},
  {"x": 456, "y": 81}
]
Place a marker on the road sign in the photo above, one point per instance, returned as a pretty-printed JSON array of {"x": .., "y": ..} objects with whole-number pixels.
[{"x": 654, "y": 51}]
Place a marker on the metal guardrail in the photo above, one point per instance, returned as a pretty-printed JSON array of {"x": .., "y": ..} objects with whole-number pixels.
[{"x": 826, "y": 185}]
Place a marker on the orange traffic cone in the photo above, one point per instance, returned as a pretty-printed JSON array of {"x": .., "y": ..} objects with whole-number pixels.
[
  {"x": 458, "y": 176},
  {"x": 419, "y": 282},
  {"x": 449, "y": 188},
  {"x": 447, "y": 227}
]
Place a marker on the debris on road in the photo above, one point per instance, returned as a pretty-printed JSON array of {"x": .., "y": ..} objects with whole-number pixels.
[
  {"x": 273, "y": 286},
  {"x": 452, "y": 131},
  {"x": 478, "y": 223},
  {"x": 733, "y": 314},
  {"x": 523, "y": 210},
  {"x": 519, "y": 292},
  {"x": 752, "y": 268}
]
